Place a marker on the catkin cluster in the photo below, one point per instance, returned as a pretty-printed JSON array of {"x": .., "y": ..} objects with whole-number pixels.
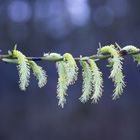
[{"x": 67, "y": 69}]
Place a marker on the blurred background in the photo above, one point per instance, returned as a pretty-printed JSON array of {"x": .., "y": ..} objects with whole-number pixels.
[{"x": 77, "y": 27}]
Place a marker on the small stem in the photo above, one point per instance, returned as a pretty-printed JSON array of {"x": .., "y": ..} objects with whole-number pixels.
[{"x": 8, "y": 59}]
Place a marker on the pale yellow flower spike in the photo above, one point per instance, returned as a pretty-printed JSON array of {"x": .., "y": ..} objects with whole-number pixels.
[
  {"x": 39, "y": 73},
  {"x": 71, "y": 68},
  {"x": 62, "y": 85},
  {"x": 116, "y": 72},
  {"x": 87, "y": 83},
  {"x": 97, "y": 81},
  {"x": 23, "y": 68}
]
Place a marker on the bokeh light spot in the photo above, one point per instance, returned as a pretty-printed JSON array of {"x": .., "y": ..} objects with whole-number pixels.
[
  {"x": 19, "y": 11},
  {"x": 79, "y": 11}
]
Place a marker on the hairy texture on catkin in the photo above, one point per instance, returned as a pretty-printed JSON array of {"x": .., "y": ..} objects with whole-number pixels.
[
  {"x": 71, "y": 67},
  {"x": 116, "y": 71},
  {"x": 97, "y": 81},
  {"x": 23, "y": 68},
  {"x": 39, "y": 73},
  {"x": 62, "y": 83},
  {"x": 87, "y": 84}
]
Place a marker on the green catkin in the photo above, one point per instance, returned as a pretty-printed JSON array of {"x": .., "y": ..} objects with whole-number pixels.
[
  {"x": 97, "y": 81},
  {"x": 87, "y": 81},
  {"x": 116, "y": 72},
  {"x": 71, "y": 68},
  {"x": 62, "y": 85},
  {"x": 39, "y": 73},
  {"x": 23, "y": 68}
]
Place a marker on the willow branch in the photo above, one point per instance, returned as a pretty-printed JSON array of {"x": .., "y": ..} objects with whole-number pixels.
[{"x": 7, "y": 58}]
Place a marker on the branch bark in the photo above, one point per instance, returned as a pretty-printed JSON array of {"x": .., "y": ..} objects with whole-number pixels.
[{"x": 7, "y": 58}]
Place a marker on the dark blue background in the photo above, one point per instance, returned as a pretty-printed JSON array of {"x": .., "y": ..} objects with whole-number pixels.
[{"x": 77, "y": 27}]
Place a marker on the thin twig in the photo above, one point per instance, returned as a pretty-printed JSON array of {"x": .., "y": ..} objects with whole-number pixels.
[{"x": 7, "y": 58}]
